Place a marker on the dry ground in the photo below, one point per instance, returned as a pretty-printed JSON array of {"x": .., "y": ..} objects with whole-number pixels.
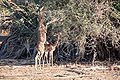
[{"x": 19, "y": 70}]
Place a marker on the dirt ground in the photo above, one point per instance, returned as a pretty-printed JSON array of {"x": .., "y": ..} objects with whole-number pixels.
[{"x": 24, "y": 70}]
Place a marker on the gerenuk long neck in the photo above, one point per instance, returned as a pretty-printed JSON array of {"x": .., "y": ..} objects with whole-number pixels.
[{"x": 41, "y": 30}]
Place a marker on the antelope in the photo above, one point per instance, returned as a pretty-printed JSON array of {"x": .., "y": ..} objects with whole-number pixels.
[
  {"x": 42, "y": 30},
  {"x": 49, "y": 49}
]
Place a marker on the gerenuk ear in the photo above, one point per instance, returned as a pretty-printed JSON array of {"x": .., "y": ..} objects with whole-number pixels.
[
  {"x": 42, "y": 8},
  {"x": 41, "y": 12}
]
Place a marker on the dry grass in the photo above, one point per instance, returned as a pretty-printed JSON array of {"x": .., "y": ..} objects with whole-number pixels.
[{"x": 70, "y": 72}]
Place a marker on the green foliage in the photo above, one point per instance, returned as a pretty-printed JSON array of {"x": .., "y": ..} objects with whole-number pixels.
[
  {"x": 116, "y": 5},
  {"x": 81, "y": 19}
]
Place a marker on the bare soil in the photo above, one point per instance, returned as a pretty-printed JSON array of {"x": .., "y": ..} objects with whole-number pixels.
[{"x": 24, "y": 70}]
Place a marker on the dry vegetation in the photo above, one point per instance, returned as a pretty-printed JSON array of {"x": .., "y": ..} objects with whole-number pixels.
[
  {"x": 90, "y": 33},
  {"x": 18, "y": 69}
]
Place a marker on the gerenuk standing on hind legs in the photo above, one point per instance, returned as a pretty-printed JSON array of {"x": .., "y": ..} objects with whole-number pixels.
[{"x": 42, "y": 31}]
